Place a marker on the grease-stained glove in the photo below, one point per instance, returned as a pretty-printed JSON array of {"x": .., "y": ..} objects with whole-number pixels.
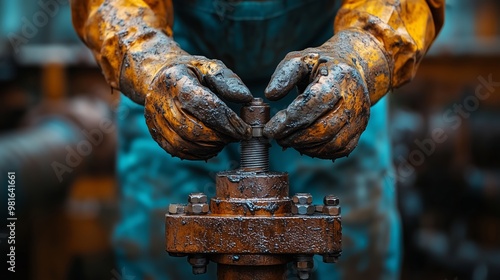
[
  {"x": 184, "y": 111},
  {"x": 333, "y": 106},
  {"x": 132, "y": 43},
  {"x": 377, "y": 46}
]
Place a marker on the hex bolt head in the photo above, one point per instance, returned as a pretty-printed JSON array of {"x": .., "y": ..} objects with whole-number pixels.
[
  {"x": 197, "y": 198},
  {"x": 331, "y": 200},
  {"x": 199, "y": 270},
  {"x": 176, "y": 209},
  {"x": 302, "y": 198},
  {"x": 303, "y": 209},
  {"x": 304, "y": 275},
  {"x": 331, "y": 210},
  {"x": 197, "y": 208},
  {"x": 304, "y": 265}
]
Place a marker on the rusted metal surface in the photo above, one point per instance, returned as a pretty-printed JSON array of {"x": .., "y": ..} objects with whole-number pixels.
[
  {"x": 236, "y": 184},
  {"x": 253, "y": 235},
  {"x": 252, "y": 227}
]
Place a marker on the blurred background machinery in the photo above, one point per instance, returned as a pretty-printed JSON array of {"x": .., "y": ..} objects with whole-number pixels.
[{"x": 445, "y": 130}]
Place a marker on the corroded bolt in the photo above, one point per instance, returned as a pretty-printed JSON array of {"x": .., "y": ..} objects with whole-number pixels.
[
  {"x": 176, "y": 209},
  {"x": 197, "y": 198},
  {"x": 303, "y": 209},
  {"x": 304, "y": 265},
  {"x": 302, "y": 198},
  {"x": 331, "y": 200},
  {"x": 197, "y": 208},
  {"x": 199, "y": 263},
  {"x": 304, "y": 275},
  {"x": 331, "y": 210}
]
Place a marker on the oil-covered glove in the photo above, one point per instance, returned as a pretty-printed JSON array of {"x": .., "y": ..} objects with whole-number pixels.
[
  {"x": 333, "y": 106},
  {"x": 184, "y": 112},
  {"x": 132, "y": 43},
  {"x": 377, "y": 46}
]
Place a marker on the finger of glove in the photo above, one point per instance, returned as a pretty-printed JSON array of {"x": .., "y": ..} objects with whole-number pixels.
[
  {"x": 349, "y": 123},
  {"x": 165, "y": 130},
  {"x": 225, "y": 83},
  {"x": 168, "y": 139},
  {"x": 187, "y": 126},
  {"x": 318, "y": 99},
  {"x": 337, "y": 148},
  {"x": 319, "y": 133},
  {"x": 205, "y": 106},
  {"x": 289, "y": 73}
]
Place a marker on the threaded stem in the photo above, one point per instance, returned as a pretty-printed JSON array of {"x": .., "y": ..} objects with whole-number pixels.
[{"x": 255, "y": 154}]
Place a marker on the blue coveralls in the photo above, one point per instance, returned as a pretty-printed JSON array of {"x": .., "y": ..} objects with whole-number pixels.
[{"x": 251, "y": 38}]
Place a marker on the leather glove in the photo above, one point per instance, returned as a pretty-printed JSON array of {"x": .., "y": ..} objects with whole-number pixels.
[
  {"x": 184, "y": 110},
  {"x": 378, "y": 46},
  {"x": 333, "y": 105},
  {"x": 182, "y": 94}
]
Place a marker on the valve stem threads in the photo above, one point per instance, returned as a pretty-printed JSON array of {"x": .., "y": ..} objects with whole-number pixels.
[{"x": 255, "y": 151}]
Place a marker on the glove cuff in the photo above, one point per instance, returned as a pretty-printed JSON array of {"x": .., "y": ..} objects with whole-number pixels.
[
  {"x": 363, "y": 51},
  {"x": 143, "y": 61}
]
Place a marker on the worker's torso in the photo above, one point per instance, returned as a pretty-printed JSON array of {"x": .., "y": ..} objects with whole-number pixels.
[{"x": 251, "y": 37}]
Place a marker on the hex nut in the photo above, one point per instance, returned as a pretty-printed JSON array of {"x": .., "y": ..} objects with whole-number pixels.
[
  {"x": 304, "y": 265},
  {"x": 197, "y": 198},
  {"x": 199, "y": 270},
  {"x": 197, "y": 260},
  {"x": 302, "y": 198},
  {"x": 331, "y": 210},
  {"x": 304, "y": 275},
  {"x": 257, "y": 131},
  {"x": 303, "y": 209},
  {"x": 199, "y": 264},
  {"x": 176, "y": 209},
  {"x": 197, "y": 208},
  {"x": 331, "y": 200}
]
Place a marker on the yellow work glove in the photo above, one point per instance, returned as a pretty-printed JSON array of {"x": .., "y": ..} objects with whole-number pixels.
[
  {"x": 333, "y": 105},
  {"x": 184, "y": 110},
  {"x": 182, "y": 94},
  {"x": 377, "y": 46}
]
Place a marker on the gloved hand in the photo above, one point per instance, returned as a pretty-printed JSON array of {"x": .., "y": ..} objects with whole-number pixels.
[
  {"x": 133, "y": 45},
  {"x": 333, "y": 106},
  {"x": 184, "y": 110}
]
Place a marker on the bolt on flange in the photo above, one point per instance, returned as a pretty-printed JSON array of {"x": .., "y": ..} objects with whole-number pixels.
[
  {"x": 304, "y": 265},
  {"x": 176, "y": 209},
  {"x": 331, "y": 207},
  {"x": 197, "y": 204},
  {"x": 302, "y": 204},
  {"x": 199, "y": 263}
]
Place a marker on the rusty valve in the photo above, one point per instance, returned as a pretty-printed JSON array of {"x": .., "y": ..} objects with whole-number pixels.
[{"x": 252, "y": 228}]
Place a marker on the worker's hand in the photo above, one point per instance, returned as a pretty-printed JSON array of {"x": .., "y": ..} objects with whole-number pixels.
[
  {"x": 184, "y": 110},
  {"x": 333, "y": 106}
]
